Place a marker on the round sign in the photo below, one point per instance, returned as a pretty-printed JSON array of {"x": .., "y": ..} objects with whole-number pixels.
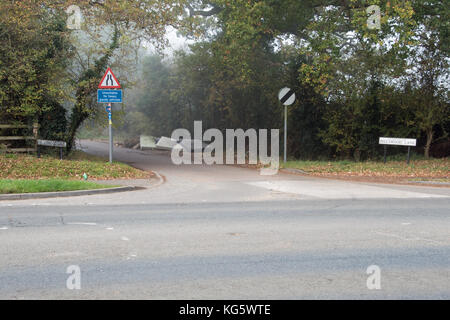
[{"x": 286, "y": 96}]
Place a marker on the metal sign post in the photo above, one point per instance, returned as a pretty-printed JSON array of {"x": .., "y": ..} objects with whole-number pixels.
[
  {"x": 287, "y": 98},
  {"x": 109, "y": 81},
  {"x": 111, "y": 145},
  {"x": 285, "y": 134}
]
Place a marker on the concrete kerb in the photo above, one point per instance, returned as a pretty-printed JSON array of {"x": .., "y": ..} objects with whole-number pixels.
[
  {"x": 76, "y": 193},
  {"x": 161, "y": 180},
  {"x": 291, "y": 170}
]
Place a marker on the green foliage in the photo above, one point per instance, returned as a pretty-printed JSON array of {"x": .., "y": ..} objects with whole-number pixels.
[
  {"x": 353, "y": 83},
  {"x": 34, "y": 50},
  {"x": 53, "y": 123}
]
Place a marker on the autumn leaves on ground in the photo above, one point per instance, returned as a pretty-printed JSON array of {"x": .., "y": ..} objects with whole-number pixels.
[
  {"x": 73, "y": 168},
  {"x": 398, "y": 171},
  {"x": 55, "y": 174},
  {"x": 27, "y": 173}
]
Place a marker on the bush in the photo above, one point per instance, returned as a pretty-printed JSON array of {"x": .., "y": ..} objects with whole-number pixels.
[{"x": 53, "y": 122}]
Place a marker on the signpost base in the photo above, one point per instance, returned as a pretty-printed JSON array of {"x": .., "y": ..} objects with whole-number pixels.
[{"x": 409, "y": 155}]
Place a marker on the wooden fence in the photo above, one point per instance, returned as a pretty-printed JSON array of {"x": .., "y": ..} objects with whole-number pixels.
[{"x": 34, "y": 129}]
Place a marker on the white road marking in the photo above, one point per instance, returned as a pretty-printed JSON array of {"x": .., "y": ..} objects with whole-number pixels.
[
  {"x": 131, "y": 256},
  {"x": 110, "y": 228},
  {"x": 406, "y": 223},
  {"x": 125, "y": 239},
  {"x": 408, "y": 239},
  {"x": 328, "y": 189},
  {"x": 65, "y": 254},
  {"x": 4, "y": 228},
  {"x": 83, "y": 223}
]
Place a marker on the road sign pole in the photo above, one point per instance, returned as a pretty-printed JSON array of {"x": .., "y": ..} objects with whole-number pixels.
[
  {"x": 285, "y": 134},
  {"x": 111, "y": 146},
  {"x": 109, "y": 81},
  {"x": 409, "y": 155},
  {"x": 287, "y": 98}
]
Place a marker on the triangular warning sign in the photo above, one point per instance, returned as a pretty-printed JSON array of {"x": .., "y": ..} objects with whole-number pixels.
[{"x": 109, "y": 81}]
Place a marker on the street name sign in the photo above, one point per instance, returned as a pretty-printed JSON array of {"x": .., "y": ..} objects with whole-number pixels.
[
  {"x": 109, "y": 96},
  {"x": 398, "y": 142},
  {"x": 48, "y": 143}
]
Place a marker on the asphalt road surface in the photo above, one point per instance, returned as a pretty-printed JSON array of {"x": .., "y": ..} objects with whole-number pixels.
[{"x": 223, "y": 232}]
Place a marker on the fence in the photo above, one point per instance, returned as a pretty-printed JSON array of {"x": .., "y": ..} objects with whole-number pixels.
[{"x": 34, "y": 129}]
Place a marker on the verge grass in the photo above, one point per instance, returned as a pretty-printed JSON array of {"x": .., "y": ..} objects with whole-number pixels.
[
  {"x": 20, "y": 166},
  {"x": 8, "y": 186},
  {"x": 421, "y": 168}
]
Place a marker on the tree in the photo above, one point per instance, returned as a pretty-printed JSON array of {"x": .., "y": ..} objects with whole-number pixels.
[
  {"x": 34, "y": 51},
  {"x": 130, "y": 24},
  {"x": 38, "y": 56},
  {"x": 429, "y": 71}
]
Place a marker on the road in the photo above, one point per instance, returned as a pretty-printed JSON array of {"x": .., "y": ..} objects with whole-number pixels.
[{"x": 223, "y": 232}]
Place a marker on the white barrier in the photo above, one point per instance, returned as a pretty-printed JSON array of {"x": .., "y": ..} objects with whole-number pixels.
[
  {"x": 147, "y": 142},
  {"x": 165, "y": 143}
]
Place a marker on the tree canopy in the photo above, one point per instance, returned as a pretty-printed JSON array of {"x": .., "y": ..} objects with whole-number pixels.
[{"x": 361, "y": 68}]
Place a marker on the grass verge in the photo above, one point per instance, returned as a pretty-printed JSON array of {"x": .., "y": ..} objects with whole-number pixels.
[
  {"x": 430, "y": 169},
  {"x": 17, "y": 166},
  {"x": 8, "y": 186}
]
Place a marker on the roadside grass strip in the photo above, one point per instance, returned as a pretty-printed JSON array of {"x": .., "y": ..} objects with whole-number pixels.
[
  {"x": 8, "y": 186},
  {"x": 17, "y": 166},
  {"x": 432, "y": 168}
]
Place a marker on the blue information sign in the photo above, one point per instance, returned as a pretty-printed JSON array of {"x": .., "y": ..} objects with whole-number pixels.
[{"x": 109, "y": 96}]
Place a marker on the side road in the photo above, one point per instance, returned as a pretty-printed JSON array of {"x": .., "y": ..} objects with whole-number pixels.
[{"x": 218, "y": 184}]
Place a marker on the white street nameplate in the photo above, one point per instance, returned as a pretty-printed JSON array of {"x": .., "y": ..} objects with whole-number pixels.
[
  {"x": 399, "y": 142},
  {"x": 48, "y": 143}
]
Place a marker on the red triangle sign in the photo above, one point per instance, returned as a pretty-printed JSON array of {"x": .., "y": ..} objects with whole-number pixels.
[{"x": 109, "y": 81}]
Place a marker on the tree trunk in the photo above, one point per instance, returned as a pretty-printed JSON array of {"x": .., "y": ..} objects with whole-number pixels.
[
  {"x": 76, "y": 119},
  {"x": 429, "y": 140}
]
